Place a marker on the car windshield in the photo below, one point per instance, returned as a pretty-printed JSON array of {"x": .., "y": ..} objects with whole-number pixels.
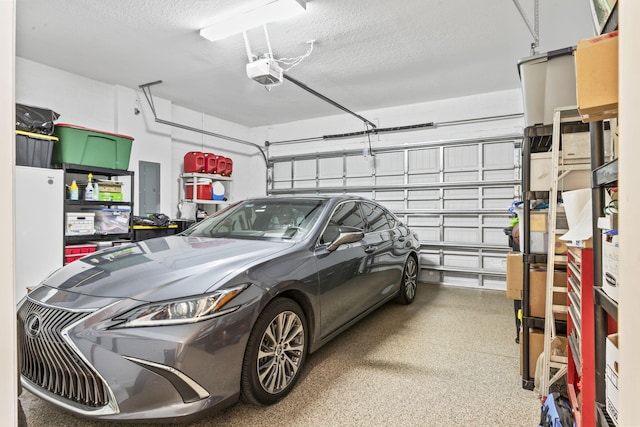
[{"x": 269, "y": 219}]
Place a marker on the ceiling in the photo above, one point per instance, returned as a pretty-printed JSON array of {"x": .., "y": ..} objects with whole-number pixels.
[{"x": 368, "y": 54}]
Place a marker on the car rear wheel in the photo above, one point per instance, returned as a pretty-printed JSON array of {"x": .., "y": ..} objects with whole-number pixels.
[
  {"x": 409, "y": 282},
  {"x": 276, "y": 351}
]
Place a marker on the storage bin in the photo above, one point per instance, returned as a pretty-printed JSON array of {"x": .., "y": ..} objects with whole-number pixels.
[
  {"x": 89, "y": 147},
  {"x": 34, "y": 149},
  {"x": 548, "y": 82},
  {"x": 79, "y": 223},
  {"x": 112, "y": 220},
  {"x": 194, "y": 161},
  {"x": 204, "y": 190},
  {"x": 80, "y": 249}
]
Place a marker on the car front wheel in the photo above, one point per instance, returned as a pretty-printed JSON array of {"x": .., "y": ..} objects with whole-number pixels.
[
  {"x": 276, "y": 351},
  {"x": 409, "y": 283}
]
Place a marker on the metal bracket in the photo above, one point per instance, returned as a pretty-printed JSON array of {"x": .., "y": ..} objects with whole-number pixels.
[{"x": 146, "y": 89}]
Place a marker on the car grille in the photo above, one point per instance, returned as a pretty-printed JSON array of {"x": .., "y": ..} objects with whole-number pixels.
[{"x": 48, "y": 361}]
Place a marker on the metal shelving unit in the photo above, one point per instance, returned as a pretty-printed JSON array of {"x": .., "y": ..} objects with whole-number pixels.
[
  {"x": 73, "y": 171},
  {"x": 605, "y": 309}
]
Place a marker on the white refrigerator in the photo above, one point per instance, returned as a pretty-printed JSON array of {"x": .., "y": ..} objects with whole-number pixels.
[{"x": 39, "y": 225}]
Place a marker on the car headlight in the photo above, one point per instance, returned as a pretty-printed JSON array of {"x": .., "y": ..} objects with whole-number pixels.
[{"x": 188, "y": 310}]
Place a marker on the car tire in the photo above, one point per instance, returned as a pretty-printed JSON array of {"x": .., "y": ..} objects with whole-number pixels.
[
  {"x": 409, "y": 283},
  {"x": 276, "y": 351}
]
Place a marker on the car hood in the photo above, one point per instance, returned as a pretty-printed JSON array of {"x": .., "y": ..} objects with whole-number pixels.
[{"x": 163, "y": 268}]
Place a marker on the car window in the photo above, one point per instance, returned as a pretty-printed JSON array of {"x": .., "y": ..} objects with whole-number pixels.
[
  {"x": 346, "y": 214},
  {"x": 377, "y": 219},
  {"x": 263, "y": 219}
]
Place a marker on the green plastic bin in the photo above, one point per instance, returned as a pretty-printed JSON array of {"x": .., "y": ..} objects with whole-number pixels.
[{"x": 82, "y": 146}]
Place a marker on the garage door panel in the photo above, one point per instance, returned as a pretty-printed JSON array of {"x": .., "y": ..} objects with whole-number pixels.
[
  {"x": 366, "y": 181},
  {"x": 498, "y": 175},
  {"x": 495, "y": 236},
  {"x": 496, "y": 203},
  {"x": 390, "y": 163},
  {"x": 498, "y": 154},
  {"x": 424, "y": 178},
  {"x": 462, "y": 176},
  {"x": 415, "y": 221},
  {"x": 461, "y": 235},
  {"x": 424, "y": 161},
  {"x": 390, "y": 180},
  {"x": 427, "y": 234},
  {"x": 457, "y": 222},
  {"x": 469, "y": 280},
  {"x": 453, "y": 220},
  {"x": 332, "y": 167},
  {"x": 495, "y": 220},
  {"x": 323, "y": 183},
  {"x": 461, "y": 204},
  {"x": 359, "y": 166},
  {"x": 304, "y": 169},
  {"x": 463, "y": 157}
]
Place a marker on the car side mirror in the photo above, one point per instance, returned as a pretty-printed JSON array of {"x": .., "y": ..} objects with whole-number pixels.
[{"x": 345, "y": 235}]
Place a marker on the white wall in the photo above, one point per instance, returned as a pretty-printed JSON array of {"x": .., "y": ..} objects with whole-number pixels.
[
  {"x": 629, "y": 174},
  {"x": 8, "y": 347},
  {"x": 97, "y": 105},
  {"x": 470, "y": 107}
]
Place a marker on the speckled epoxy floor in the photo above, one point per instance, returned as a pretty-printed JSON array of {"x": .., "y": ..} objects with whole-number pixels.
[{"x": 449, "y": 359}]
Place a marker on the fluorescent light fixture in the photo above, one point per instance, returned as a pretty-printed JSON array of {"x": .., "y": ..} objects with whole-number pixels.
[{"x": 256, "y": 14}]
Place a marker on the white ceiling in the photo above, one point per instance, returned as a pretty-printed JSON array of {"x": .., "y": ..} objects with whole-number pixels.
[{"x": 368, "y": 54}]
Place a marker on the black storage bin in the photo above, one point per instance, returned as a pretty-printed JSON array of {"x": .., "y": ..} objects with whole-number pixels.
[{"x": 33, "y": 149}]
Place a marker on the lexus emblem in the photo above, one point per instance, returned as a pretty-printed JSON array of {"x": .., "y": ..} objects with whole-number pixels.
[{"x": 33, "y": 325}]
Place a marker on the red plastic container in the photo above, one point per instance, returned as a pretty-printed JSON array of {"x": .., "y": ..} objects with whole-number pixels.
[
  {"x": 221, "y": 165},
  {"x": 74, "y": 252},
  {"x": 204, "y": 191},
  {"x": 229, "y": 168},
  {"x": 194, "y": 161},
  {"x": 211, "y": 160}
]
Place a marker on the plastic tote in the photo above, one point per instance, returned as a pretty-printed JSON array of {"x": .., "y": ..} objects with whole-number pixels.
[{"x": 83, "y": 146}]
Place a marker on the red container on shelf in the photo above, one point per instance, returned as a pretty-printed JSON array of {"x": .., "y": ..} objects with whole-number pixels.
[
  {"x": 203, "y": 192},
  {"x": 194, "y": 161},
  {"x": 210, "y": 160},
  {"x": 229, "y": 168},
  {"x": 74, "y": 252},
  {"x": 221, "y": 165}
]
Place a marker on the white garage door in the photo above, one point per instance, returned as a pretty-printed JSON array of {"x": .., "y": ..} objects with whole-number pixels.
[{"x": 455, "y": 196}]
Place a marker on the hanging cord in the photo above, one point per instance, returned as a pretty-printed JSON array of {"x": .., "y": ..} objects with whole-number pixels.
[{"x": 292, "y": 62}]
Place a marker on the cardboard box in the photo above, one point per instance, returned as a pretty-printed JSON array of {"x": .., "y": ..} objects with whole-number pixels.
[
  {"x": 109, "y": 186},
  {"x": 536, "y": 347},
  {"x": 538, "y": 295},
  {"x": 612, "y": 370},
  {"x": 538, "y": 221},
  {"x": 597, "y": 77},
  {"x": 610, "y": 276},
  {"x": 514, "y": 275},
  {"x": 79, "y": 224}
]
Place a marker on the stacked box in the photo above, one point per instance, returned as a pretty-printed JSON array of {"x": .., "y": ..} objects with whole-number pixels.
[{"x": 80, "y": 223}]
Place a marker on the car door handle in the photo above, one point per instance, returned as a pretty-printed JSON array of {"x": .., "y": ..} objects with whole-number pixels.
[{"x": 370, "y": 248}]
